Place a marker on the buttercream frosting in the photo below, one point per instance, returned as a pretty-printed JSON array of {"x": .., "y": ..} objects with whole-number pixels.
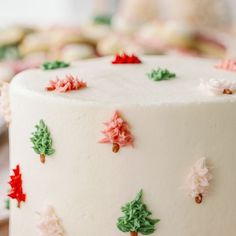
[
  {"x": 117, "y": 133},
  {"x": 218, "y": 86},
  {"x": 198, "y": 181},
  {"x": 69, "y": 83},
  {"x": 49, "y": 224},
  {"x": 227, "y": 65}
]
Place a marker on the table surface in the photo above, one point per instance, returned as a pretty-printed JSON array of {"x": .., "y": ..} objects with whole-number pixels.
[{"x": 4, "y": 175}]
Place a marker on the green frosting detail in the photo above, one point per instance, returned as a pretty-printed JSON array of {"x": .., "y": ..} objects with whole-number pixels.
[
  {"x": 102, "y": 19},
  {"x": 42, "y": 140},
  {"x": 136, "y": 217},
  {"x": 54, "y": 65},
  {"x": 7, "y": 204},
  {"x": 161, "y": 74}
]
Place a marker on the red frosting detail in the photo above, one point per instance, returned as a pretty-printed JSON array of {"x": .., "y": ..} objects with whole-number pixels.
[
  {"x": 15, "y": 182},
  {"x": 227, "y": 65},
  {"x": 117, "y": 132},
  {"x": 69, "y": 83},
  {"x": 126, "y": 59}
]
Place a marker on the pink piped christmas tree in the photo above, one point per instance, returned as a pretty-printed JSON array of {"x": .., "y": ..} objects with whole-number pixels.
[
  {"x": 117, "y": 133},
  {"x": 67, "y": 84},
  {"x": 126, "y": 59},
  {"x": 16, "y": 191},
  {"x": 49, "y": 223},
  {"x": 229, "y": 65}
]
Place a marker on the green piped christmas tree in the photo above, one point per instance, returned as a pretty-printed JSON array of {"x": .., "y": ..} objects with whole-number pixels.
[
  {"x": 136, "y": 218},
  {"x": 42, "y": 141},
  {"x": 161, "y": 74},
  {"x": 52, "y": 65}
]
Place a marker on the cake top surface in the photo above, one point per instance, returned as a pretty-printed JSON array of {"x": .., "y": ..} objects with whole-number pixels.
[{"x": 129, "y": 83}]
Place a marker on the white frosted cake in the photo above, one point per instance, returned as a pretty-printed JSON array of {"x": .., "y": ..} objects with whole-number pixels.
[{"x": 166, "y": 151}]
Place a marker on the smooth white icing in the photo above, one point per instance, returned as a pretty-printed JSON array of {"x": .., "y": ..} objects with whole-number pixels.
[{"x": 173, "y": 123}]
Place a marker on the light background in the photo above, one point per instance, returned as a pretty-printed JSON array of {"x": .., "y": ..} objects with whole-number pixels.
[{"x": 61, "y": 11}]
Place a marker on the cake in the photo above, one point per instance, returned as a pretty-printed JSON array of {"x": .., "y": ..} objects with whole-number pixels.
[{"x": 154, "y": 135}]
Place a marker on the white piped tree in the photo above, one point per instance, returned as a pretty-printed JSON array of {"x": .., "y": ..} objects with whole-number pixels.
[
  {"x": 198, "y": 180},
  {"x": 49, "y": 224}
]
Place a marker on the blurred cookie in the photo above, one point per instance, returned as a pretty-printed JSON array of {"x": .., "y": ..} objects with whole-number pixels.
[
  {"x": 6, "y": 73},
  {"x": 35, "y": 42},
  {"x": 177, "y": 34},
  {"x": 210, "y": 46},
  {"x": 161, "y": 37},
  {"x": 116, "y": 43},
  {"x": 200, "y": 14},
  {"x": 74, "y": 52},
  {"x": 133, "y": 14},
  {"x": 95, "y": 30},
  {"x": 61, "y": 36},
  {"x": 11, "y": 36},
  {"x": 150, "y": 38}
]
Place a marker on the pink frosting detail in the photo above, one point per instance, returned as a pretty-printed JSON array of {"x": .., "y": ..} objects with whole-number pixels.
[
  {"x": 117, "y": 131},
  {"x": 198, "y": 180},
  {"x": 227, "y": 65},
  {"x": 69, "y": 83},
  {"x": 49, "y": 224}
]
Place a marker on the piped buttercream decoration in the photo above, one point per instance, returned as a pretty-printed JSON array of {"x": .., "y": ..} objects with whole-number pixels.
[
  {"x": 15, "y": 183},
  {"x": 198, "y": 180},
  {"x": 117, "y": 133},
  {"x": 161, "y": 74},
  {"x": 229, "y": 65},
  {"x": 218, "y": 86},
  {"x": 69, "y": 83},
  {"x": 5, "y": 103},
  {"x": 52, "y": 65},
  {"x": 42, "y": 141},
  {"x": 126, "y": 59},
  {"x": 49, "y": 224},
  {"x": 136, "y": 218}
]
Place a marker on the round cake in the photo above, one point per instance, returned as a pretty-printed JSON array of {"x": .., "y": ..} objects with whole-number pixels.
[{"x": 124, "y": 146}]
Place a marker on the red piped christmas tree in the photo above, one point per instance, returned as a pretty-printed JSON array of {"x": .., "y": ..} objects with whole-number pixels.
[
  {"x": 117, "y": 133},
  {"x": 126, "y": 59},
  {"x": 16, "y": 191}
]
